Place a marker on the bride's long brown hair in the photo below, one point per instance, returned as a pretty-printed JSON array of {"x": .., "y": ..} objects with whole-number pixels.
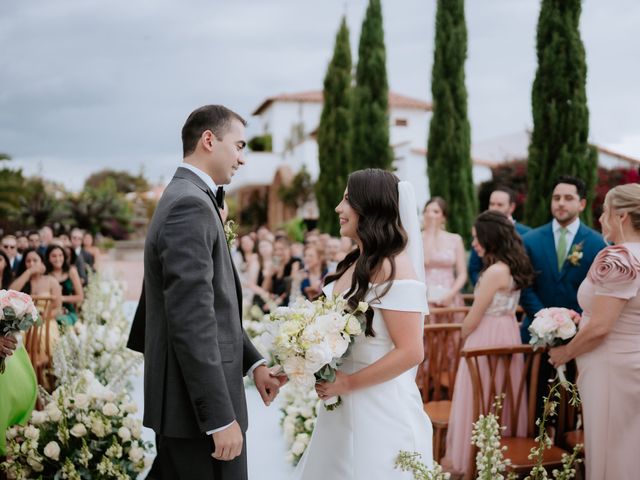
[{"x": 373, "y": 194}]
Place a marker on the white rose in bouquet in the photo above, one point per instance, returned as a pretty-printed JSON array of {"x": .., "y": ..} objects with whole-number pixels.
[
  {"x": 31, "y": 432},
  {"x": 124, "y": 433},
  {"x": 52, "y": 450},
  {"x": 338, "y": 344},
  {"x": 38, "y": 418},
  {"x": 110, "y": 410},
  {"x": 78, "y": 430},
  {"x": 317, "y": 356},
  {"x": 81, "y": 401}
]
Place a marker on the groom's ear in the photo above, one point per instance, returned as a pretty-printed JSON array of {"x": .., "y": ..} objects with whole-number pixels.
[{"x": 207, "y": 139}]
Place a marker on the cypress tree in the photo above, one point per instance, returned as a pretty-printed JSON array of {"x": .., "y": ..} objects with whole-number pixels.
[
  {"x": 559, "y": 142},
  {"x": 449, "y": 146},
  {"x": 370, "y": 148},
  {"x": 334, "y": 133}
]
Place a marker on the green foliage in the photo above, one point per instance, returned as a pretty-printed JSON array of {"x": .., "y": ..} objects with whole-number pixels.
[
  {"x": 334, "y": 133},
  {"x": 370, "y": 146},
  {"x": 449, "y": 147},
  {"x": 261, "y": 143},
  {"x": 124, "y": 181},
  {"x": 102, "y": 209},
  {"x": 11, "y": 185},
  {"x": 39, "y": 203},
  {"x": 295, "y": 229},
  {"x": 299, "y": 191},
  {"x": 560, "y": 113},
  {"x": 255, "y": 213}
]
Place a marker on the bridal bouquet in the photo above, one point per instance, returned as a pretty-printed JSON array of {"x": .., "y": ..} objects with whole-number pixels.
[
  {"x": 17, "y": 313},
  {"x": 311, "y": 337},
  {"x": 552, "y": 327}
]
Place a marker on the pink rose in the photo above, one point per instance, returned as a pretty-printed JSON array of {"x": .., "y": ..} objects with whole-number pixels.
[
  {"x": 614, "y": 265},
  {"x": 21, "y": 303}
]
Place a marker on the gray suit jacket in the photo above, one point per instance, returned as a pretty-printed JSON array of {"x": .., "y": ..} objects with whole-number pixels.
[{"x": 196, "y": 351}]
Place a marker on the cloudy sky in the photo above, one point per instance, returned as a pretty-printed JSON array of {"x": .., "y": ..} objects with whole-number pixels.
[{"x": 89, "y": 84}]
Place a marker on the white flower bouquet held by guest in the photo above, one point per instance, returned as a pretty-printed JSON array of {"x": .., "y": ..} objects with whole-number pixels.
[
  {"x": 17, "y": 314},
  {"x": 552, "y": 327},
  {"x": 312, "y": 337}
]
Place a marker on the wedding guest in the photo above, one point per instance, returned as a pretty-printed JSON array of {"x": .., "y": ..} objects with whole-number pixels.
[
  {"x": 64, "y": 240},
  {"x": 23, "y": 244},
  {"x": 315, "y": 270},
  {"x": 297, "y": 249},
  {"x": 262, "y": 295},
  {"x": 607, "y": 345},
  {"x": 444, "y": 258},
  {"x": 502, "y": 199},
  {"x": 285, "y": 266},
  {"x": 10, "y": 248},
  {"x": 6, "y": 274},
  {"x": 248, "y": 266},
  {"x": 84, "y": 261},
  {"x": 34, "y": 240},
  {"x": 334, "y": 254},
  {"x": 88, "y": 246},
  {"x": 46, "y": 237},
  {"x": 491, "y": 321},
  {"x": 32, "y": 279},
  {"x": 57, "y": 263}
]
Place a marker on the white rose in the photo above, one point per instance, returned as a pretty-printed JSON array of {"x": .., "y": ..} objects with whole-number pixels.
[
  {"x": 124, "y": 433},
  {"x": 31, "y": 432},
  {"x": 363, "y": 307},
  {"x": 55, "y": 415},
  {"x": 81, "y": 401},
  {"x": 78, "y": 430},
  {"x": 38, "y": 418},
  {"x": 309, "y": 424},
  {"x": 52, "y": 450},
  {"x": 19, "y": 302},
  {"x": 98, "y": 428},
  {"x": 131, "y": 407},
  {"x": 331, "y": 322},
  {"x": 306, "y": 411},
  {"x": 567, "y": 330},
  {"x": 353, "y": 326},
  {"x": 318, "y": 356},
  {"x": 35, "y": 464},
  {"x": 543, "y": 325},
  {"x": 109, "y": 409},
  {"x": 136, "y": 454},
  {"x": 338, "y": 344},
  {"x": 12, "y": 433},
  {"x": 298, "y": 447}
]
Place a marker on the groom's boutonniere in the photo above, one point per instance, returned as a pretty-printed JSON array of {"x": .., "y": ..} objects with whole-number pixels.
[
  {"x": 231, "y": 232},
  {"x": 575, "y": 255}
]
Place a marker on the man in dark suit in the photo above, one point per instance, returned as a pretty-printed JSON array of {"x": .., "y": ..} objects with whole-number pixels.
[
  {"x": 502, "y": 199},
  {"x": 561, "y": 252},
  {"x": 196, "y": 351}
]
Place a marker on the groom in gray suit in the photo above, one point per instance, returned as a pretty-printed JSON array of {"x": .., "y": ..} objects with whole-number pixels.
[{"x": 196, "y": 351}]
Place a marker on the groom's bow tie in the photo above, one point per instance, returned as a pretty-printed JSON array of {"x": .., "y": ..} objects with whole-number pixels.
[{"x": 220, "y": 197}]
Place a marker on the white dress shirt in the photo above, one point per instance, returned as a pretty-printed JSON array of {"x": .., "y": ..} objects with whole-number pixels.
[
  {"x": 212, "y": 185},
  {"x": 572, "y": 230}
]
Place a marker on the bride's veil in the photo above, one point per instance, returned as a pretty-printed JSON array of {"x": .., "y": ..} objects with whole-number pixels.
[{"x": 409, "y": 218}]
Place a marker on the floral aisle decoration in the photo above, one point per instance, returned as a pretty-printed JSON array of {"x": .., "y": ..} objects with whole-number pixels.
[
  {"x": 98, "y": 341},
  {"x": 85, "y": 431},
  {"x": 299, "y": 407}
]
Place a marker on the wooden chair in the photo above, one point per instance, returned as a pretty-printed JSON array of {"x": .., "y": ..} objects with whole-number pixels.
[
  {"x": 446, "y": 315},
  {"x": 436, "y": 377},
  {"x": 468, "y": 298},
  {"x": 38, "y": 339},
  {"x": 516, "y": 392}
]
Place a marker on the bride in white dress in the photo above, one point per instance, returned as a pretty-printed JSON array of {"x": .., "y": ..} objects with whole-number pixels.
[{"x": 381, "y": 411}]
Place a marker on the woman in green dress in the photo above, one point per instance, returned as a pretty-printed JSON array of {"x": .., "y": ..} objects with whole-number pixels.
[{"x": 18, "y": 384}]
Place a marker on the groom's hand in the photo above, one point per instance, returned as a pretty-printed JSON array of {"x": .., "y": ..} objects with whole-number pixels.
[
  {"x": 267, "y": 384},
  {"x": 228, "y": 443}
]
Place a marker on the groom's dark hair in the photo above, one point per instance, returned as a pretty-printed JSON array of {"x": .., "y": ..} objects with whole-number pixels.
[
  {"x": 581, "y": 187},
  {"x": 216, "y": 118}
]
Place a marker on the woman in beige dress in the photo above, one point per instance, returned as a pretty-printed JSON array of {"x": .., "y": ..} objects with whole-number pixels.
[{"x": 607, "y": 346}]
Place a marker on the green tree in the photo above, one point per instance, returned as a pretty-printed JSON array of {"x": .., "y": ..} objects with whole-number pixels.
[
  {"x": 334, "y": 133},
  {"x": 449, "y": 146},
  {"x": 102, "y": 209},
  {"x": 370, "y": 146},
  {"x": 298, "y": 191},
  {"x": 560, "y": 114},
  {"x": 11, "y": 187},
  {"x": 124, "y": 181},
  {"x": 39, "y": 203}
]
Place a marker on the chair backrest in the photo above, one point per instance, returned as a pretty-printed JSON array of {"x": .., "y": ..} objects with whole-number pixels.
[
  {"x": 491, "y": 374},
  {"x": 437, "y": 373},
  {"x": 33, "y": 339},
  {"x": 446, "y": 315}
]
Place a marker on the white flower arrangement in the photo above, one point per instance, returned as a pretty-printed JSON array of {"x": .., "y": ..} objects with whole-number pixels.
[
  {"x": 17, "y": 314},
  {"x": 98, "y": 341},
  {"x": 86, "y": 430},
  {"x": 299, "y": 407},
  {"x": 312, "y": 337}
]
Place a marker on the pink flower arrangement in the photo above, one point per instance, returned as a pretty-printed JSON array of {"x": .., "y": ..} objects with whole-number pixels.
[{"x": 17, "y": 313}]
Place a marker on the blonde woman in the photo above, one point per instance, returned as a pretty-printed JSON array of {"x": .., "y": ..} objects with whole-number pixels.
[{"x": 607, "y": 346}]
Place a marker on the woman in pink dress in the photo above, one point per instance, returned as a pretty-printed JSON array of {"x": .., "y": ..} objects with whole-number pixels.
[
  {"x": 607, "y": 346},
  {"x": 490, "y": 322},
  {"x": 444, "y": 259}
]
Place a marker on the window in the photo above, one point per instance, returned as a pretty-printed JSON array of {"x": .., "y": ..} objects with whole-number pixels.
[{"x": 401, "y": 122}]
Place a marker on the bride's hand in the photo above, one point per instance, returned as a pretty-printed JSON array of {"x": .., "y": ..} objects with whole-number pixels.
[
  {"x": 559, "y": 356},
  {"x": 341, "y": 386}
]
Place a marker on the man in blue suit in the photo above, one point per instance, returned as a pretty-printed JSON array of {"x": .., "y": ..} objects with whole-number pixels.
[
  {"x": 561, "y": 253},
  {"x": 502, "y": 199}
]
